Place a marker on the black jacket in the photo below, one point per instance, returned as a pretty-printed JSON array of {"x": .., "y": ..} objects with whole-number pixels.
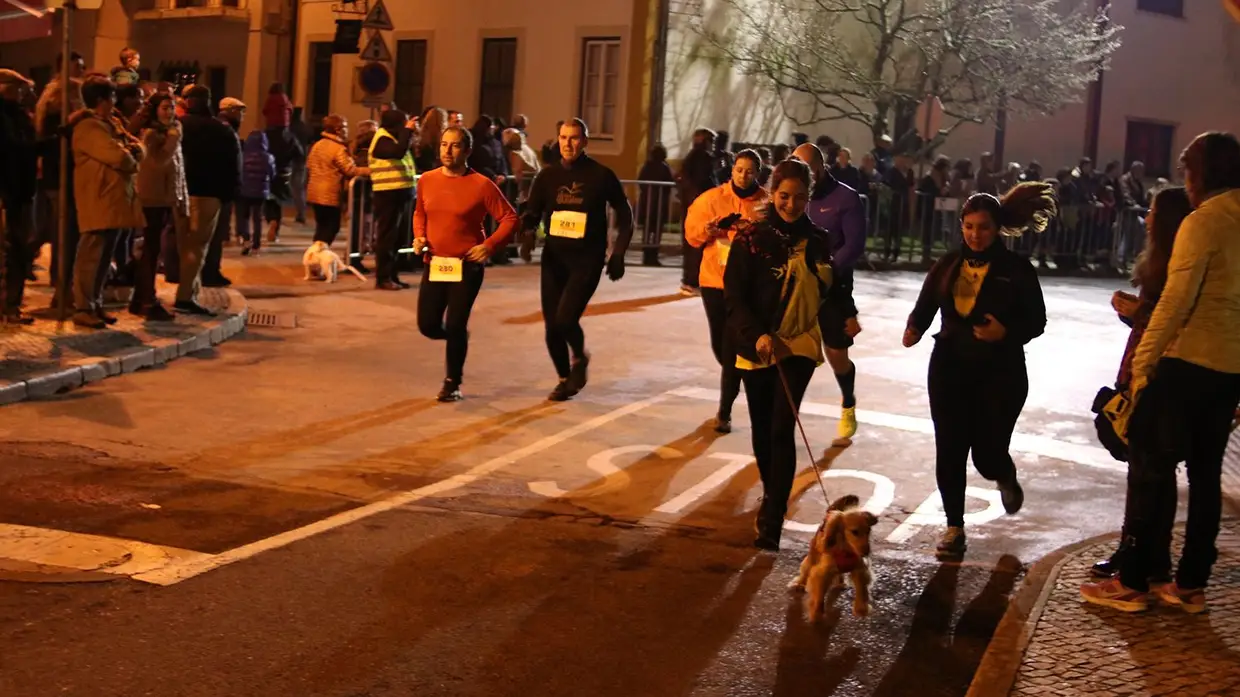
[
  {"x": 19, "y": 152},
  {"x": 1010, "y": 292},
  {"x": 286, "y": 149},
  {"x": 212, "y": 157},
  {"x": 753, "y": 280},
  {"x": 697, "y": 176}
]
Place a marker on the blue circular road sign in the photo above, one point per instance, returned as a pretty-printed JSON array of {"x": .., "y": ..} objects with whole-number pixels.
[{"x": 375, "y": 78}]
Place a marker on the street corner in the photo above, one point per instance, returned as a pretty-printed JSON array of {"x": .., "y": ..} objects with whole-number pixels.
[
  {"x": 1052, "y": 641},
  {"x": 49, "y": 358}
]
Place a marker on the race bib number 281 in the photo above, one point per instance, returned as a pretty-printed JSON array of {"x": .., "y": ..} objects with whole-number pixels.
[{"x": 569, "y": 224}]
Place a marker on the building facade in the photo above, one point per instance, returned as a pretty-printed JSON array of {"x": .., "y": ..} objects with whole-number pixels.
[
  {"x": 549, "y": 60},
  {"x": 1177, "y": 74},
  {"x": 236, "y": 47}
]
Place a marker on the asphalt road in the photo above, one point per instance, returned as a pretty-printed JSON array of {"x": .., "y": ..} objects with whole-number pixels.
[{"x": 313, "y": 523}]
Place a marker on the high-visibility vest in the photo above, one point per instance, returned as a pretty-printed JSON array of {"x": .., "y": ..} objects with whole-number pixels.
[{"x": 390, "y": 175}]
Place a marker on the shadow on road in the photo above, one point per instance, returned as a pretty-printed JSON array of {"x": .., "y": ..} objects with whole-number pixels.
[
  {"x": 937, "y": 647},
  {"x": 612, "y": 308}
]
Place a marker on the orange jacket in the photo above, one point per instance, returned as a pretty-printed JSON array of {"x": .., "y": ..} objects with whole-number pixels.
[{"x": 708, "y": 208}]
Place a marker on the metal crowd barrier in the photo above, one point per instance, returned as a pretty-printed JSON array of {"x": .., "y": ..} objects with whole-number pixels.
[
  {"x": 916, "y": 230},
  {"x": 922, "y": 228},
  {"x": 656, "y": 212}
]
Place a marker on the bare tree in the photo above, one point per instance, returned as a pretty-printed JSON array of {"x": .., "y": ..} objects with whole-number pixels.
[{"x": 874, "y": 61}]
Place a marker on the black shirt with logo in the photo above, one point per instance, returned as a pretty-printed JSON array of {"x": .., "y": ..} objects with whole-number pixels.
[{"x": 584, "y": 187}]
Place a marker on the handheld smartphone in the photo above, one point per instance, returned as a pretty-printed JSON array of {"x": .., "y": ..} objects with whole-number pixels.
[{"x": 727, "y": 222}]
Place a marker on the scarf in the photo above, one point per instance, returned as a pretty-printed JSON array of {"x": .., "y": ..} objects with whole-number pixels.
[
  {"x": 982, "y": 258},
  {"x": 744, "y": 193}
]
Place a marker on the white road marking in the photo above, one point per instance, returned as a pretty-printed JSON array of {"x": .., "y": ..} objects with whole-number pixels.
[
  {"x": 930, "y": 513},
  {"x": 175, "y": 573},
  {"x": 614, "y": 478},
  {"x": 883, "y": 496},
  {"x": 1088, "y": 455},
  {"x": 736, "y": 463},
  {"x": 72, "y": 550}
]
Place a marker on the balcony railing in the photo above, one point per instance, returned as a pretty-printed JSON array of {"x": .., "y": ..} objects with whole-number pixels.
[{"x": 171, "y": 9}]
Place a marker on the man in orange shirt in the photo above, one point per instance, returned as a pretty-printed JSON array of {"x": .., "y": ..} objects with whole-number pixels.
[{"x": 453, "y": 202}]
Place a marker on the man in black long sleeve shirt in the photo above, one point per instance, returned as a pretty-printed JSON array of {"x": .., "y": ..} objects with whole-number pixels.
[
  {"x": 392, "y": 176},
  {"x": 697, "y": 176},
  {"x": 571, "y": 199}
]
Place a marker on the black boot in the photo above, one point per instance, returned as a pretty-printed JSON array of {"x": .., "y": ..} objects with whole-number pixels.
[{"x": 1109, "y": 567}]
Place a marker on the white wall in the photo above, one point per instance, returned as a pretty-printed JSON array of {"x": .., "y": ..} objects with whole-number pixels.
[
  {"x": 1184, "y": 72},
  {"x": 549, "y": 36}
]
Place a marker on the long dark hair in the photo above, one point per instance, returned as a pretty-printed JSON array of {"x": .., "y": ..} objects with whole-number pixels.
[
  {"x": 1029, "y": 205},
  {"x": 150, "y": 110},
  {"x": 1170, "y": 208}
]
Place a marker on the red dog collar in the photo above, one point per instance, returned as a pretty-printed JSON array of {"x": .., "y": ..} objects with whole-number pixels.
[{"x": 845, "y": 559}]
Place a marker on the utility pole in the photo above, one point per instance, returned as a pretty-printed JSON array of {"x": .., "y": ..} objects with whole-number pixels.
[{"x": 62, "y": 209}]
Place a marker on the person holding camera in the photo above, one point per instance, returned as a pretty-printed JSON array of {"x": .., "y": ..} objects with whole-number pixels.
[{"x": 710, "y": 226}]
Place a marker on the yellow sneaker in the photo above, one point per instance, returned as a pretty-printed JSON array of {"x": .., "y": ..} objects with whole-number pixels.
[{"x": 848, "y": 423}]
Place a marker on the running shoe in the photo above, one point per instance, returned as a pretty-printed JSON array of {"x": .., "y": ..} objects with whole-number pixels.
[
  {"x": 1115, "y": 595},
  {"x": 1012, "y": 495},
  {"x": 450, "y": 392},
  {"x": 578, "y": 375},
  {"x": 723, "y": 424},
  {"x": 847, "y": 427},
  {"x": 1190, "y": 600},
  {"x": 952, "y": 545},
  {"x": 563, "y": 392}
]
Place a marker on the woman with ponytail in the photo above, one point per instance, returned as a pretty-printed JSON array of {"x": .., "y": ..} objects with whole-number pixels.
[{"x": 991, "y": 305}]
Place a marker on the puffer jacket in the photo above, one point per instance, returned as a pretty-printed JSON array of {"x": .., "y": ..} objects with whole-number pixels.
[
  {"x": 161, "y": 174},
  {"x": 329, "y": 166},
  {"x": 258, "y": 167}
]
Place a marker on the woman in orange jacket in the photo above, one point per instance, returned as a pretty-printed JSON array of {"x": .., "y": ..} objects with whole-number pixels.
[{"x": 709, "y": 226}]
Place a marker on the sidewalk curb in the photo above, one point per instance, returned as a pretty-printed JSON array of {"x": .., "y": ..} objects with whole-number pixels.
[
  {"x": 996, "y": 674},
  {"x": 87, "y": 370}
]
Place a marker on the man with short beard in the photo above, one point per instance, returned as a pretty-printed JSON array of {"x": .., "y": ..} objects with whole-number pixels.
[{"x": 838, "y": 209}]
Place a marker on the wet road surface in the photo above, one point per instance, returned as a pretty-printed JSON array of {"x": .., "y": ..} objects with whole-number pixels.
[{"x": 311, "y": 522}]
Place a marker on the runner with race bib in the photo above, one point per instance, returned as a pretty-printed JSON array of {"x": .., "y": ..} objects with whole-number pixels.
[
  {"x": 571, "y": 199},
  {"x": 453, "y": 202}
]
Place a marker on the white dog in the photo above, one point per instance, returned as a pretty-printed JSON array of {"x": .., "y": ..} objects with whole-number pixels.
[{"x": 321, "y": 262}]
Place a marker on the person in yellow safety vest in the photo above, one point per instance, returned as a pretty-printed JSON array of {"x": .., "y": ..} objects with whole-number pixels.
[{"x": 392, "y": 176}]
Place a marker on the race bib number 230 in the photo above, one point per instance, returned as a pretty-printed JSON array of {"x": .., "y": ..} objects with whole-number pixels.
[
  {"x": 446, "y": 269},
  {"x": 569, "y": 224}
]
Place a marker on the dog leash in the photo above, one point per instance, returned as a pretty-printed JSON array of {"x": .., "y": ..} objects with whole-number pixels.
[{"x": 796, "y": 414}]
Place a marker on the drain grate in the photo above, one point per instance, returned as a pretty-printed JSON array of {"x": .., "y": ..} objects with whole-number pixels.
[{"x": 277, "y": 320}]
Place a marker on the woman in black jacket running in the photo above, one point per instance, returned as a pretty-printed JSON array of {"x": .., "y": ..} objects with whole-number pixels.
[
  {"x": 777, "y": 277},
  {"x": 991, "y": 306}
]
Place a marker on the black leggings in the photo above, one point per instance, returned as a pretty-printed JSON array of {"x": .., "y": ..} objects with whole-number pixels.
[
  {"x": 392, "y": 214},
  {"x": 774, "y": 429},
  {"x": 974, "y": 404},
  {"x": 326, "y": 223},
  {"x": 1184, "y": 414},
  {"x": 729, "y": 378},
  {"x": 443, "y": 314},
  {"x": 567, "y": 286}
]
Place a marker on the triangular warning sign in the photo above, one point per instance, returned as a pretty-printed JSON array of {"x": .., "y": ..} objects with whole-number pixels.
[
  {"x": 378, "y": 18},
  {"x": 376, "y": 49}
]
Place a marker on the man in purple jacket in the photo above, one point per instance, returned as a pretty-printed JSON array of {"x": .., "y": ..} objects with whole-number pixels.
[{"x": 840, "y": 211}]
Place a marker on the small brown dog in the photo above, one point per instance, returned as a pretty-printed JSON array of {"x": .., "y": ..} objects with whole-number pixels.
[{"x": 840, "y": 547}]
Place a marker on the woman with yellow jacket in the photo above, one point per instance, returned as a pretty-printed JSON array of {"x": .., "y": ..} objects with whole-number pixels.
[{"x": 710, "y": 226}]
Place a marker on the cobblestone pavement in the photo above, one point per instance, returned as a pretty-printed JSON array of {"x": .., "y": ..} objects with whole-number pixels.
[
  {"x": 1081, "y": 649},
  {"x": 46, "y": 346}
]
